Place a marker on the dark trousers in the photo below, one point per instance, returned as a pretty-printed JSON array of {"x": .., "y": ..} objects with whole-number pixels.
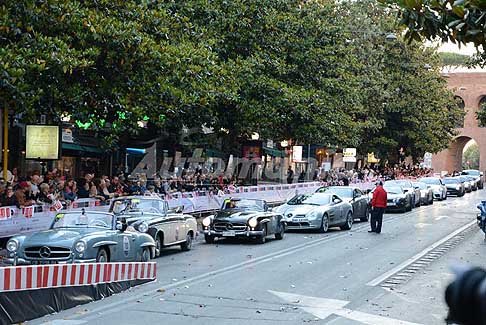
[{"x": 377, "y": 219}]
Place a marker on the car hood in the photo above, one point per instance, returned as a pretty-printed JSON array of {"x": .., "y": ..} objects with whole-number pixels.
[
  {"x": 239, "y": 216},
  {"x": 300, "y": 209},
  {"x": 395, "y": 196},
  {"x": 57, "y": 237}
]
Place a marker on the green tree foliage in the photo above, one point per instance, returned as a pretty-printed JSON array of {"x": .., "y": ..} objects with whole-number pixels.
[
  {"x": 311, "y": 71},
  {"x": 470, "y": 157},
  {"x": 455, "y": 59},
  {"x": 457, "y": 21}
]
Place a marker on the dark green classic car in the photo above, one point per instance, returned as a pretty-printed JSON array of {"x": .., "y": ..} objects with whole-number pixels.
[{"x": 82, "y": 237}]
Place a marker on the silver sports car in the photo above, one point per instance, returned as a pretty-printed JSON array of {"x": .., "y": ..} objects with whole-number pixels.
[
  {"x": 317, "y": 211},
  {"x": 81, "y": 237}
]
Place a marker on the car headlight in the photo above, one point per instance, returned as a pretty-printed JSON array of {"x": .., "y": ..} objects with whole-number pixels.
[
  {"x": 80, "y": 246},
  {"x": 12, "y": 245},
  {"x": 458, "y": 187},
  {"x": 206, "y": 222},
  {"x": 253, "y": 222},
  {"x": 143, "y": 227}
]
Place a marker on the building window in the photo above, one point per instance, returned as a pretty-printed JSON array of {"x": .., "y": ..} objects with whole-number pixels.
[
  {"x": 462, "y": 105},
  {"x": 482, "y": 112}
]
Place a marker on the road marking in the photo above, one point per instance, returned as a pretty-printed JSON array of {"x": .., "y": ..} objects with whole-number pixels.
[
  {"x": 65, "y": 322},
  {"x": 421, "y": 225},
  {"x": 323, "y": 308},
  {"x": 441, "y": 217},
  {"x": 416, "y": 257}
]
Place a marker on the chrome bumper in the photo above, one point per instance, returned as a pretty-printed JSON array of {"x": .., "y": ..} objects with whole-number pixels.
[
  {"x": 22, "y": 261},
  {"x": 246, "y": 233}
]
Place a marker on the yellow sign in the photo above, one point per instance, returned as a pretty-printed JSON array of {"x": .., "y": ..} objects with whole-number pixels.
[
  {"x": 372, "y": 159},
  {"x": 42, "y": 142}
]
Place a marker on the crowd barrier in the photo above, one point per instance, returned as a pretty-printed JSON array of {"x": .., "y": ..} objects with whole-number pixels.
[
  {"x": 28, "y": 292},
  {"x": 14, "y": 221}
]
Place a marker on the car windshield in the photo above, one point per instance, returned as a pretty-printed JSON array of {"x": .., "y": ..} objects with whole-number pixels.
[
  {"x": 345, "y": 192},
  {"x": 450, "y": 181},
  {"x": 246, "y": 204},
  {"x": 471, "y": 172},
  {"x": 404, "y": 183},
  {"x": 431, "y": 181},
  {"x": 124, "y": 205},
  {"x": 393, "y": 189},
  {"x": 83, "y": 220},
  {"x": 311, "y": 199},
  {"x": 420, "y": 185}
]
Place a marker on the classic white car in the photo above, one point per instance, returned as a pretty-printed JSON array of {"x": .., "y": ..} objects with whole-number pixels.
[{"x": 153, "y": 216}]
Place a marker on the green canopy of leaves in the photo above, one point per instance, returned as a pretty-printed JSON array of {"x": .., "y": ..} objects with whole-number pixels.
[{"x": 285, "y": 69}]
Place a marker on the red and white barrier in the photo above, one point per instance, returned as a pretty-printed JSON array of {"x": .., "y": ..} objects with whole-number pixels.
[{"x": 31, "y": 277}]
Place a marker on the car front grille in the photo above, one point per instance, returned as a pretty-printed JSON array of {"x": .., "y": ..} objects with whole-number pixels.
[
  {"x": 47, "y": 252},
  {"x": 298, "y": 224},
  {"x": 225, "y": 226}
]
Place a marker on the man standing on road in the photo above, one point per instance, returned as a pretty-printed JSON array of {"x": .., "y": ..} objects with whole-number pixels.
[{"x": 378, "y": 204}]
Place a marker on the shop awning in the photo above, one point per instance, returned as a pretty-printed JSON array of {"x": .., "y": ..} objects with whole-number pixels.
[
  {"x": 80, "y": 148},
  {"x": 273, "y": 152},
  {"x": 214, "y": 153}
]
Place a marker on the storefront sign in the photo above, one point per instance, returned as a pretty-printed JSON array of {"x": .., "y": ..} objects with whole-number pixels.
[
  {"x": 42, "y": 142},
  {"x": 67, "y": 136},
  {"x": 349, "y": 152},
  {"x": 349, "y": 159},
  {"x": 297, "y": 153}
]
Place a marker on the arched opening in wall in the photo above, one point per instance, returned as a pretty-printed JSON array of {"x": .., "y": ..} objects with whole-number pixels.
[
  {"x": 460, "y": 102},
  {"x": 482, "y": 111},
  {"x": 470, "y": 155}
]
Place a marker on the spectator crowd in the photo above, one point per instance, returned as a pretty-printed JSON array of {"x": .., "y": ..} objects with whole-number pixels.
[{"x": 52, "y": 187}]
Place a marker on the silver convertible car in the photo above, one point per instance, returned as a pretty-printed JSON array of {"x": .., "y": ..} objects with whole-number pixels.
[
  {"x": 81, "y": 237},
  {"x": 317, "y": 211}
]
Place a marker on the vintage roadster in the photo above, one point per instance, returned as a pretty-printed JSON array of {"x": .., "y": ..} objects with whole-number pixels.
[
  {"x": 152, "y": 215},
  {"x": 244, "y": 218},
  {"x": 81, "y": 237},
  {"x": 318, "y": 211}
]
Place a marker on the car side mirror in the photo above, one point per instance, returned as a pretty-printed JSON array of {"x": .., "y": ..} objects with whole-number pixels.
[
  {"x": 481, "y": 173},
  {"x": 405, "y": 191},
  {"x": 179, "y": 209},
  {"x": 368, "y": 191}
]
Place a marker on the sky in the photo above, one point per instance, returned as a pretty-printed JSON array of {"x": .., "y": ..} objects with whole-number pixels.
[{"x": 451, "y": 47}]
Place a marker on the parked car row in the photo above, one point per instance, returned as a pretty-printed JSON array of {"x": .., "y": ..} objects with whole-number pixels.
[{"x": 137, "y": 228}]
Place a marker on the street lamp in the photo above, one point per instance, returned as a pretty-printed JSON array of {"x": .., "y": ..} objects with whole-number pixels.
[
  {"x": 391, "y": 37},
  {"x": 255, "y": 136}
]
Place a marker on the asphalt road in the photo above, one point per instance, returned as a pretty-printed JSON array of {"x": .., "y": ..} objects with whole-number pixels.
[{"x": 342, "y": 277}]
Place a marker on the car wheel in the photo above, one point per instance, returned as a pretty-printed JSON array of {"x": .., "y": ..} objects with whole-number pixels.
[
  {"x": 187, "y": 245},
  {"x": 410, "y": 205},
  {"x": 324, "y": 224},
  {"x": 209, "y": 239},
  {"x": 418, "y": 202},
  {"x": 281, "y": 232},
  {"x": 366, "y": 216},
  {"x": 349, "y": 222},
  {"x": 102, "y": 256},
  {"x": 159, "y": 243},
  {"x": 145, "y": 255},
  {"x": 262, "y": 239}
]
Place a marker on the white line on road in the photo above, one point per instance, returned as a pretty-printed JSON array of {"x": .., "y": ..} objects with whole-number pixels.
[
  {"x": 416, "y": 257},
  {"x": 323, "y": 308}
]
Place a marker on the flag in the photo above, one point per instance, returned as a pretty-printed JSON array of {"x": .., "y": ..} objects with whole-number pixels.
[
  {"x": 5, "y": 213},
  {"x": 232, "y": 189},
  {"x": 28, "y": 212},
  {"x": 75, "y": 205}
]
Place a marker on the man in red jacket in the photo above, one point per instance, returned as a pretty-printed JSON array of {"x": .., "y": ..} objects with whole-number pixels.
[{"x": 378, "y": 204}]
